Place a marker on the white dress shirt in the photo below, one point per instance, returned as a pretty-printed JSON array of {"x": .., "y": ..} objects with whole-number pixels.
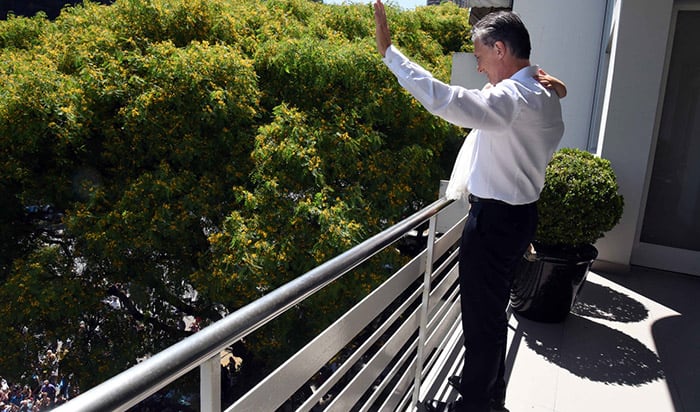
[{"x": 518, "y": 127}]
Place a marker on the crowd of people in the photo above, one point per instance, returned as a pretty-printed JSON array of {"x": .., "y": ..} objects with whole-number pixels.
[
  {"x": 46, "y": 394},
  {"x": 18, "y": 398}
]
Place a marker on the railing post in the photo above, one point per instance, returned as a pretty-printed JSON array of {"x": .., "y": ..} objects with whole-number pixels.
[
  {"x": 210, "y": 385},
  {"x": 423, "y": 326}
]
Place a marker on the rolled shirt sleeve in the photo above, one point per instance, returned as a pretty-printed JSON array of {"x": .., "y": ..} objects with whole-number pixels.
[
  {"x": 490, "y": 108},
  {"x": 518, "y": 126}
]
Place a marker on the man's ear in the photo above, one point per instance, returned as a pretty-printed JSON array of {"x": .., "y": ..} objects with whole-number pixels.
[{"x": 500, "y": 48}]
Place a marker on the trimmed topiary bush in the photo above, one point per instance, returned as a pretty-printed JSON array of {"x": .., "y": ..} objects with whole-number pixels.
[
  {"x": 579, "y": 201},
  {"x": 578, "y": 204}
]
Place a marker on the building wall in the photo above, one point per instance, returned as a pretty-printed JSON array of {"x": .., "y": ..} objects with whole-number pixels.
[
  {"x": 613, "y": 73},
  {"x": 629, "y": 98},
  {"x": 574, "y": 60},
  {"x": 566, "y": 38},
  {"x": 637, "y": 58}
]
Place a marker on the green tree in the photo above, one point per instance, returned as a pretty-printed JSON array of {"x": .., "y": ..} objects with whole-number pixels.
[{"x": 198, "y": 154}]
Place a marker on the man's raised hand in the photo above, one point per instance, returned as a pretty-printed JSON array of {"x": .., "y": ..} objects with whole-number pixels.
[{"x": 382, "y": 30}]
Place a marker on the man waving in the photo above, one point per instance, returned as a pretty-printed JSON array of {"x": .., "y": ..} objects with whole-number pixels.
[{"x": 517, "y": 126}]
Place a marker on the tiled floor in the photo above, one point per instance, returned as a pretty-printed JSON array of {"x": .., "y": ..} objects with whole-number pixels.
[{"x": 632, "y": 343}]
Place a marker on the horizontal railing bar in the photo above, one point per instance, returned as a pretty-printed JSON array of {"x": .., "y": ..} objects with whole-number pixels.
[
  {"x": 447, "y": 361},
  {"x": 443, "y": 299},
  {"x": 397, "y": 371},
  {"x": 449, "y": 238},
  {"x": 439, "y": 329},
  {"x": 402, "y": 391},
  {"x": 405, "y": 399},
  {"x": 279, "y": 385},
  {"x": 362, "y": 349},
  {"x": 364, "y": 378},
  {"x": 142, "y": 380},
  {"x": 437, "y": 295}
]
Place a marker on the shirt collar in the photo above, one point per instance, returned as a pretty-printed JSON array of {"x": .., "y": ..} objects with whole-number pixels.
[{"x": 525, "y": 74}]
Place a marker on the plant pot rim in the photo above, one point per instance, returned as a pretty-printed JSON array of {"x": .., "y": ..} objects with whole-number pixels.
[{"x": 582, "y": 254}]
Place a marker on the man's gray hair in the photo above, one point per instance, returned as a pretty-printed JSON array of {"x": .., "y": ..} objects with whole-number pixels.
[{"x": 504, "y": 26}]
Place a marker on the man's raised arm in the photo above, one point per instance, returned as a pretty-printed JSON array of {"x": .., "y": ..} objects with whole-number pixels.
[{"x": 382, "y": 30}]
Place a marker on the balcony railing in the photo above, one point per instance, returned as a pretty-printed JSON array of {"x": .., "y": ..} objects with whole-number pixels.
[{"x": 396, "y": 333}]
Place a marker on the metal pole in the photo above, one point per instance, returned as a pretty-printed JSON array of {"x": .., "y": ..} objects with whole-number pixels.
[
  {"x": 425, "y": 303},
  {"x": 210, "y": 385}
]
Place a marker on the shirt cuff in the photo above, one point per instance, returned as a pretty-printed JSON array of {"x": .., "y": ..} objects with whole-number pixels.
[{"x": 392, "y": 55}]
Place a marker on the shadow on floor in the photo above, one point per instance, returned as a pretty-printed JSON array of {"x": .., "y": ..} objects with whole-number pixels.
[
  {"x": 593, "y": 350},
  {"x": 587, "y": 347},
  {"x": 602, "y": 302},
  {"x": 600, "y": 354},
  {"x": 677, "y": 338}
]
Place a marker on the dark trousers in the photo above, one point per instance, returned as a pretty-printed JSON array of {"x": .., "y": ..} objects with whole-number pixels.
[{"x": 495, "y": 237}]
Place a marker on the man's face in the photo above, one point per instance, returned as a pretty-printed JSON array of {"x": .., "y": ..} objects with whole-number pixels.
[{"x": 489, "y": 61}]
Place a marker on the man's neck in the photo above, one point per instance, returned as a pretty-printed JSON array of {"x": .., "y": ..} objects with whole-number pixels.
[{"x": 517, "y": 65}]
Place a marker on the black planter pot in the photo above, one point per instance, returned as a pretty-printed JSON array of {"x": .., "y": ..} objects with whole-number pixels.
[{"x": 544, "y": 290}]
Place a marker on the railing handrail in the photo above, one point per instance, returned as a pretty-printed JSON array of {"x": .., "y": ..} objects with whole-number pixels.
[{"x": 142, "y": 380}]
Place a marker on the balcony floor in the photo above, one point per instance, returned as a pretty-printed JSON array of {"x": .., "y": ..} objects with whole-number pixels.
[{"x": 632, "y": 343}]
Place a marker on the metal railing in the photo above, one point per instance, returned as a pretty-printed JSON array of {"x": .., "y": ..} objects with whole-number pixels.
[{"x": 385, "y": 368}]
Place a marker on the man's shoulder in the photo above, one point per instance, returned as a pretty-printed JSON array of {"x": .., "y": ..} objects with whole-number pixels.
[
  {"x": 525, "y": 77},
  {"x": 513, "y": 89},
  {"x": 527, "y": 86}
]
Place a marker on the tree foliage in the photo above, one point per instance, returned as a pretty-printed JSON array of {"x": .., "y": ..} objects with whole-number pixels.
[{"x": 194, "y": 155}]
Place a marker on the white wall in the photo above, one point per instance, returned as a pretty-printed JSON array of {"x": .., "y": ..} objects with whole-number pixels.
[
  {"x": 464, "y": 71},
  {"x": 630, "y": 108},
  {"x": 566, "y": 38}
]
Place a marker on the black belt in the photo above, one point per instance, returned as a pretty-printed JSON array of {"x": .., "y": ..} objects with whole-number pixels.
[{"x": 476, "y": 199}]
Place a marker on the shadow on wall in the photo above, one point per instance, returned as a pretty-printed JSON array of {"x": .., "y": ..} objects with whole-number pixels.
[{"x": 678, "y": 342}]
